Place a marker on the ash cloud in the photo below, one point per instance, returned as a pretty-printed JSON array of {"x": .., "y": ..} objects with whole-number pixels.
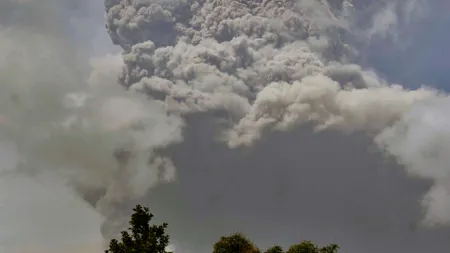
[
  {"x": 74, "y": 131},
  {"x": 420, "y": 141},
  {"x": 75, "y": 124},
  {"x": 201, "y": 70},
  {"x": 268, "y": 65}
]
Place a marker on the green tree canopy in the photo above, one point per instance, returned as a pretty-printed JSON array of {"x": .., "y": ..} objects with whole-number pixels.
[
  {"x": 274, "y": 249},
  {"x": 236, "y": 243},
  {"x": 144, "y": 238},
  {"x": 309, "y": 247}
]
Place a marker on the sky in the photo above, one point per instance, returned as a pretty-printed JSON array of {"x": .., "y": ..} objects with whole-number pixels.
[
  {"x": 423, "y": 60},
  {"x": 292, "y": 186}
]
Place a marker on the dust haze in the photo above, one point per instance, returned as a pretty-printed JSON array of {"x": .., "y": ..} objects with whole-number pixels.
[{"x": 221, "y": 116}]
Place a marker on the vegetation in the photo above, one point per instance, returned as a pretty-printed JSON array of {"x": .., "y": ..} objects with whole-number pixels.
[
  {"x": 146, "y": 238},
  {"x": 234, "y": 243}
]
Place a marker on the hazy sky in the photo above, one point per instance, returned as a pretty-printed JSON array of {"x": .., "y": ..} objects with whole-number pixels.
[
  {"x": 424, "y": 60},
  {"x": 292, "y": 186},
  {"x": 33, "y": 211}
]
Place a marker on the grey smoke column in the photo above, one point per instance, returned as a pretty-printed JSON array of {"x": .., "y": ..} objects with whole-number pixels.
[
  {"x": 266, "y": 64},
  {"x": 67, "y": 118},
  {"x": 263, "y": 65}
]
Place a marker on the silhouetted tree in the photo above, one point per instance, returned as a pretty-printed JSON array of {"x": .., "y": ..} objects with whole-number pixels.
[
  {"x": 238, "y": 243},
  {"x": 274, "y": 249},
  {"x": 332, "y": 248},
  {"x": 235, "y": 243},
  {"x": 144, "y": 238},
  {"x": 309, "y": 247}
]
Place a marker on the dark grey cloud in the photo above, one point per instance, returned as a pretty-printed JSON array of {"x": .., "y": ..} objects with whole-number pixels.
[
  {"x": 326, "y": 187},
  {"x": 211, "y": 66},
  {"x": 46, "y": 86},
  {"x": 191, "y": 58}
]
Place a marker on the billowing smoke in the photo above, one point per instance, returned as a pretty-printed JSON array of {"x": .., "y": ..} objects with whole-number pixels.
[
  {"x": 277, "y": 65},
  {"x": 251, "y": 65},
  {"x": 98, "y": 137},
  {"x": 80, "y": 127},
  {"x": 421, "y": 142},
  {"x": 265, "y": 64}
]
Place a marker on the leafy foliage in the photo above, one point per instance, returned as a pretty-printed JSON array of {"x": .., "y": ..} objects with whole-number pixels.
[
  {"x": 235, "y": 243},
  {"x": 332, "y": 248},
  {"x": 309, "y": 247},
  {"x": 238, "y": 243},
  {"x": 146, "y": 238},
  {"x": 143, "y": 238},
  {"x": 275, "y": 249}
]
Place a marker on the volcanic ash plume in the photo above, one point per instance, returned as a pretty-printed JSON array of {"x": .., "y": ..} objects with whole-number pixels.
[
  {"x": 90, "y": 133},
  {"x": 421, "y": 141},
  {"x": 274, "y": 65},
  {"x": 270, "y": 64}
]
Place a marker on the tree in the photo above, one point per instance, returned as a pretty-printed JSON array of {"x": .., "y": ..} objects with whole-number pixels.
[
  {"x": 235, "y": 243},
  {"x": 143, "y": 238},
  {"x": 275, "y": 249},
  {"x": 238, "y": 243},
  {"x": 146, "y": 238},
  {"x": 309, "y": 247},
  {"x": 332, "y": 248}
]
